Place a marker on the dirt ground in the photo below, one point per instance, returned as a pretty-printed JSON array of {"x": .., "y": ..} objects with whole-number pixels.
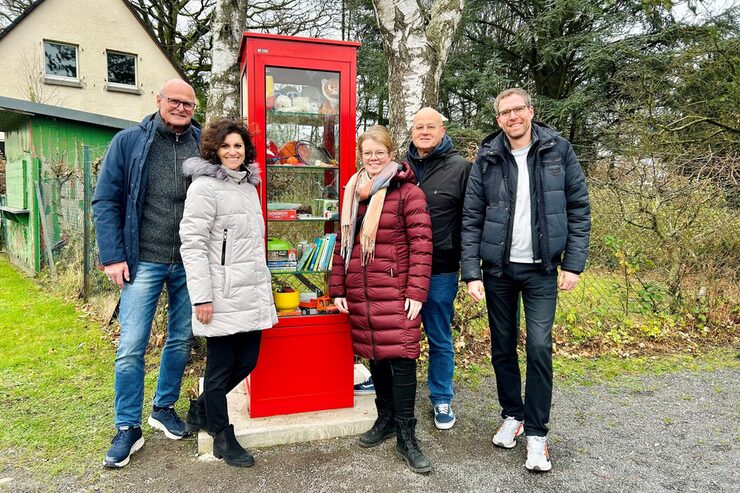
[{"x": 678, "y": 432}]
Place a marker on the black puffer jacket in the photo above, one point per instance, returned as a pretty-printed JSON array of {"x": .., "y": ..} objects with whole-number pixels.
[
  {"x": 561, "y": 214},
  {"x": 443, "y": 179}
]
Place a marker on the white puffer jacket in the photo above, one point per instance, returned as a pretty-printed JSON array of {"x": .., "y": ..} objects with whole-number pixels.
[{"x": 223, "y": 249}]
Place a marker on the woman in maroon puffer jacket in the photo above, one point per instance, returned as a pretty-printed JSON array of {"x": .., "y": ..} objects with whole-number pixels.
[{"x": 380, "y": 276}]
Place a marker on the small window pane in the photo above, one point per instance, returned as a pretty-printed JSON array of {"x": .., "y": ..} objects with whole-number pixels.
[
  {"x": 122, "y": 68},
  {"x": 61, "y": 60}
]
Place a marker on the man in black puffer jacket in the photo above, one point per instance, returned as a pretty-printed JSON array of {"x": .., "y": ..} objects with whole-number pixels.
[
  {"x": 442, "y": 174},
  {"x": 526, "y": 213}
]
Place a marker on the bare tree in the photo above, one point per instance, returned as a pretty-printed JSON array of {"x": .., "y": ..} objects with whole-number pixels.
[
  {"x": 10, "y": 9},
  {"x": 232, "y": 17},
  {"x": 416, "y": 38},
  {"x": 183, "y": 28},
  {"x": 226, "y": 27},
  {"x": 31, "y": 82}
]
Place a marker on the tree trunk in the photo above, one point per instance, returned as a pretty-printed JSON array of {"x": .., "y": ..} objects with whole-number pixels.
[
  {"x": 227, "y": 27},
  {"x": 417, "y": 42}
]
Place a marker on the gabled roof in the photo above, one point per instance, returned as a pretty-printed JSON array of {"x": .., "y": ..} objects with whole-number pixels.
[
  {"x": 13, "y": 110},
  {"x": 36, "y": 3}
]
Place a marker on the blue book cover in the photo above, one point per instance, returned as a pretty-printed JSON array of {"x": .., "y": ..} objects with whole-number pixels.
[
  {"x": 313, "y": 263},
  {"x": 330, "y": 239}
]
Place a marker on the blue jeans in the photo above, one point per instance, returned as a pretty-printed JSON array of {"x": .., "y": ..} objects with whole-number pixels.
[
  {"x": 138, "y": 305},
  {"x": 436, "y": 315}
]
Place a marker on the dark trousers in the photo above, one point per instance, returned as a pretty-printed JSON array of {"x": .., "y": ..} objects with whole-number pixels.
[
  {"x": 539, "y": 294},
  {"x": 395, "y": 379},
  {"x": 230, "y": 359}
]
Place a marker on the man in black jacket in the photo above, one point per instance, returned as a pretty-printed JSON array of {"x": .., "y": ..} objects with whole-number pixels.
[
  {"x": 526, "y": 212},
  {"x": 442, "y": 173}
]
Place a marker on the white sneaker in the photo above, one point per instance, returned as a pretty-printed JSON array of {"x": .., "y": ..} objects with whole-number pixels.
[
  {"x": 508, "y": 431},
  {"x": 538, "y": 457}
]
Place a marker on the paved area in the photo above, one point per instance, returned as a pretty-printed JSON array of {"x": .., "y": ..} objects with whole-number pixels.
[{"x": 669, "y": 433}]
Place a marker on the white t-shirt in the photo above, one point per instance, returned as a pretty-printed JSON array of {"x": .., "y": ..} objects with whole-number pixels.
[{"x": 521, "y": 235}]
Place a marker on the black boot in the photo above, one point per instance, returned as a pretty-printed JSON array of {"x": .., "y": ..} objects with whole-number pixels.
[
  {"x": 227, "y": 448},
  {"x": 407, "y": 447},
  {"x": 383, "y": 428},
  {"x": 196, "y": 418}
]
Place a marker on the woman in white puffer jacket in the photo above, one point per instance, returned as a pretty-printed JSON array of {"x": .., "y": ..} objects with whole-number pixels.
[{"x": 223, "y": 251}]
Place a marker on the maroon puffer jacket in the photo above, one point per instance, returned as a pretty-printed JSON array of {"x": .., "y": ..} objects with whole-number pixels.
[{"x": 401, "y": 269}]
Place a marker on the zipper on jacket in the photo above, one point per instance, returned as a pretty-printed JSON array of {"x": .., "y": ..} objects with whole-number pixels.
[
  {"x": 223, "y": 247},
  {"x": 540, "y": 194},
  {"x": 176, "y": 234}
]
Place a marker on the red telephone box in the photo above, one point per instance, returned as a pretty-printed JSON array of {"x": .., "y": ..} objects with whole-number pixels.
[{"x": 298, "y": 96}]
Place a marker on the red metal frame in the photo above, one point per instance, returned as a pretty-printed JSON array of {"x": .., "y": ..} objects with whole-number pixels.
[{"x": 305, "y": 362}]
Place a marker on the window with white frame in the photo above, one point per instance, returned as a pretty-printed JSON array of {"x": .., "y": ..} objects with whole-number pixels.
[
  {"x": 121, "y": 69},
  {"x": 60, "y": 61}
]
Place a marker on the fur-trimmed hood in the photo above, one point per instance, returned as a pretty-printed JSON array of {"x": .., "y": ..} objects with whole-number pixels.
[{"x": 195, "y": 166}]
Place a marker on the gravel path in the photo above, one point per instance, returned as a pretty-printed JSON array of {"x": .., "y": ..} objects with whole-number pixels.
[{"x": 678, "y": 432}]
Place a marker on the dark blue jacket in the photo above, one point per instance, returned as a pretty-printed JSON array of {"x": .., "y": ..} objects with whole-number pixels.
[
  {"x": 119, "y": 193},
  {"x": 561, "y": 214}
]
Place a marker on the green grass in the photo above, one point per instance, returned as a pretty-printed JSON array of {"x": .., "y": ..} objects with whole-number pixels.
[
  {"x": 590, "y": 371},
  {"x": 56, "y": 382}
]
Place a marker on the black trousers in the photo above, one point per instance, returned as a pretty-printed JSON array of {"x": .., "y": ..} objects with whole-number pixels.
[
  {"x": 395, "y": 380},
  {"x": 230, "y": 359},
  {"x": 539, "y": 294}
]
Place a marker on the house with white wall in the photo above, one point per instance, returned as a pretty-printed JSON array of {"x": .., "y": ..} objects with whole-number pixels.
[{"x": 89, "y": 55}]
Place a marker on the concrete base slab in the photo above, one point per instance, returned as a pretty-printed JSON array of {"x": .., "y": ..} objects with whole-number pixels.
[{"x": 292, "y": 428}]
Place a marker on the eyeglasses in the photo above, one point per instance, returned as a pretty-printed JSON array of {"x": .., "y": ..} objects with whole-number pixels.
[
  {"x": 174, "y": 103},
  {"x": 519, "y": 110},
  {"x": 377, "y": 154},
  {"x": 420, "y": 128}
]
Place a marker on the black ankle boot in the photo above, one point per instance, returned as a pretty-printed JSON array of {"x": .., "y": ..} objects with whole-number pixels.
[
  {"x": 196, "y": 418},
  {"x": 407, "y": 447},
  {"x": 227, "y": 448},
  {"x": 383, "y": 428}
]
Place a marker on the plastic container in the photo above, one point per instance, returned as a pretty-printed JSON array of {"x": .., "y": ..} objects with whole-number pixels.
[{"x": 287, "y": 301}]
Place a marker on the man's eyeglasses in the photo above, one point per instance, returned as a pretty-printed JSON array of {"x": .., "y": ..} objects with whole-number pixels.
[
  {"x": 174, "y": 103},
  {"x": 378, "y": 154},
  {"x": 519, "y": 110},
  {"x": 420, "y": 128}
]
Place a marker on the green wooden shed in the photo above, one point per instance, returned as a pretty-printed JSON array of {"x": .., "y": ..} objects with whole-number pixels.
[{"x": 48, "y": 150}]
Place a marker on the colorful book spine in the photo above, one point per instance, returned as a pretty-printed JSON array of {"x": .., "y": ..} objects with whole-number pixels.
[
  {"x": 330, "y": 239},
  {"x": 316, "y": 254},
  {"x": 305, "y": 257}
]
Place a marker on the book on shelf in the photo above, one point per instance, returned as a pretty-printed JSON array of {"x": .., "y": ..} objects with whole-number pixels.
[
  {"x": 322, "y": 252},
  {"x": 312, "y": 261},
  {"x": 329, "y": 240},
  {"x": 282, "y": 215},
  {"x": 289, "y": 266},
  {"x": 281, "y": 263},
  {"x": 305, "y": 257}
]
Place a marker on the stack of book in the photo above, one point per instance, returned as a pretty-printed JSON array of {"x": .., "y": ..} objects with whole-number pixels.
[
  {"x": 318, "y": 256},
  {"x": 278, "y": 265}
]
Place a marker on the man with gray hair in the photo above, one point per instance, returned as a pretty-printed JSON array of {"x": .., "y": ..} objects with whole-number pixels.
[
  {"x": 526, "y": 214},
  {"x": 138, "y": 205},
  {"x": 442, "y": 174}
]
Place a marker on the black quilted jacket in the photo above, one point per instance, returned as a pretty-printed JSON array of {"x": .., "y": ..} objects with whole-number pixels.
[{"x": 561, "y": 214}]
